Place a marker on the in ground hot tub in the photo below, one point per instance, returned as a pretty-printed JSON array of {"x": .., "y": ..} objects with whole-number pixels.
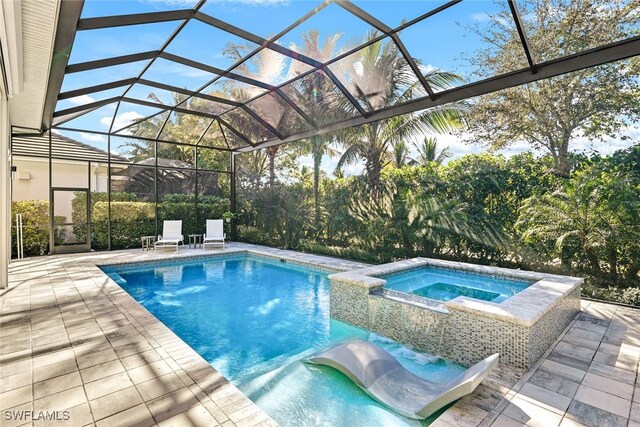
[
  {"x": 463, "y": 312},
  {"x": 445, "y": 284}
]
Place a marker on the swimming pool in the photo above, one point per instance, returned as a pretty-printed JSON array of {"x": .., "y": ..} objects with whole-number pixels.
[
  {"x": 254, "y": 319},
  {"x": 444, "y": 284}
]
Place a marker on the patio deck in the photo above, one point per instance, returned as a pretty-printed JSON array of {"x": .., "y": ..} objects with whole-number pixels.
[{"x": 71, "y": 339}]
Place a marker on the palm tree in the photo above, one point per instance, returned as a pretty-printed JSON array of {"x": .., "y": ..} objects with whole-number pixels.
[
  {"x": 569, "y": 217},
  {"x": 181, "y": 129},
  {"x": 401, "y": 155},
  {"x": 379, "y": 77},
  {"x": 315, "y": 93},
  {"x": 253, "y": 167},
  {"x": 428, "y": 151},
  {"x": 271, "y": 155}
]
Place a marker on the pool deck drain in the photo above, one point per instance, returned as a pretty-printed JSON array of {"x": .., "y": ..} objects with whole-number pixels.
[{"x": 73, "y": 341}]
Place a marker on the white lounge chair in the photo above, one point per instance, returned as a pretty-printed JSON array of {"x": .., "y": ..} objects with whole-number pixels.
[
  {"x": 383, "y": 378},
  {"x": 171, "y": 235},
  {"x": 215, "y": 234}
]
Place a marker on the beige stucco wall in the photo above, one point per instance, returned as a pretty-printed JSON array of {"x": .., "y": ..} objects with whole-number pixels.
[
  {"x": 5, "y": 192},
  {"x": 32, "y": 180}
]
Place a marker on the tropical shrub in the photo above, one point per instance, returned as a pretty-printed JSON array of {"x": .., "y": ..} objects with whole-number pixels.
[
  {"x": 132, "y": 219},
  {"x": 35, "y": 233},
  {"x": 249, "y": 234}
]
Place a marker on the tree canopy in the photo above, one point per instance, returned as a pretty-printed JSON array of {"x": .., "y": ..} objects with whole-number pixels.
[{"x": 595, "y": 102}]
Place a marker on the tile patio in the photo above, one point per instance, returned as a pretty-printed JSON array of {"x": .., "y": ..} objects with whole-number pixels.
[
  {"x": 588, "y": 377},
  {"x": 71, "y": 339}
]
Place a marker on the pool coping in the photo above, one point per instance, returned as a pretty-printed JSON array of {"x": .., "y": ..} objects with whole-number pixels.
[
  {"x": 524, "y": 308},
  {"x": 319, "y": 262}
]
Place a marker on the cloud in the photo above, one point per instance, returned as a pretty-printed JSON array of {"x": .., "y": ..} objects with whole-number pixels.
[
  {"x": 329, "y": 164},
  {"x": 459, "y": 148},
  {"x": 480, "y": 17},
  {"x": 81, "y": 100},
  {"x": 579, "y": 144},
  {"x": 121, "y": 120},
  {"x": 92, "y": 137},
  {"x": 427, "y": 68},
  {"x": 607, "y": 146},
  {"x": 176, "y": 3},
  {"x": 254, "y": 2}
]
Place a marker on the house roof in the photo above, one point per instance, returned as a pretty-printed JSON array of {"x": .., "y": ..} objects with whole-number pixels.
[
  {"x": 30, "y": 33},
  {"x": 62, "y": 147}
]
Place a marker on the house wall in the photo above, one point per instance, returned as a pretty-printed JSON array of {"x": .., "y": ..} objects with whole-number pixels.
[
  {"x": 32, "y": 180},
  {"x": 5, "y": 191}
]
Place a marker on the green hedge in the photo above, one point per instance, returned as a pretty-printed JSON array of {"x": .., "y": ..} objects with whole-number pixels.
[
  {"x": 255, "y": 235},
  {"x": 35, "y": 220},
  {"x": 131, "y": 219}
]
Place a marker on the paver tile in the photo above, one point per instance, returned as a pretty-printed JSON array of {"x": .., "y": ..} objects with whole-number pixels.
[
  {"x": 617, "y": 361},
  {"x": 576, "y": 351},
  {"x": 114, "y": 403},
  {"x": 544, "y": 398},
  {"x": 568, "y": 360},
  {"x": 56, "y": 384},
  {"x": 17, "y": 380},
  {"x": 78, "y": 416},
  {"x": 62, "y": 400},
  {"x": 138, "y": 416},
  {"x": 107, "y": 385},
  {"x": 593, "y": 416},
  {"x": 14, "y": 367},
  {"x": 195, "y": 416},
  {"x": 16, "y": 416},
  {"x": 603, "y": 400},
  {"x": 617, "y": 374},
  {"x": 159, "y": 386},
  {"x": 608, "y": 385},
  {"x": 568, "y": 422},
  {"x": 171, "y": 404},
  {"x": 552, "y": 381},
  {"x": 100, "y": 371},
  {"x": 54, "y": 370},
  {"x": 96, "y": 358},
  {"x": 140, "y": 359},
  {"x": 15, "y": 397},
  {"x": 146, "y": 372},
  {"x": 526, "y": 412},
  {"x": 635, "y": 412}
]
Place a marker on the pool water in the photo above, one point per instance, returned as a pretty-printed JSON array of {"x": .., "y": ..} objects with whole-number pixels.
[
  {"x": 255, "y": 319},
  {"x": 446, "y": 292},
  {"x": 443, "y": 284}
]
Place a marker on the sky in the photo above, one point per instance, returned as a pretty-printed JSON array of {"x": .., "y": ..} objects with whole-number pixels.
[
  {"x": 204, "y": 43},
  {"x": 441, "y": 41},
  {"x": 459, "y": 148}
]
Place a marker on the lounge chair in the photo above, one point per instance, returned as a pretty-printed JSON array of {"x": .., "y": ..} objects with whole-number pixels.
[
  {"x": 383, "y": 378},
  {"x": 171, "y": 235},
  {"x": 215, "y": 233}
]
